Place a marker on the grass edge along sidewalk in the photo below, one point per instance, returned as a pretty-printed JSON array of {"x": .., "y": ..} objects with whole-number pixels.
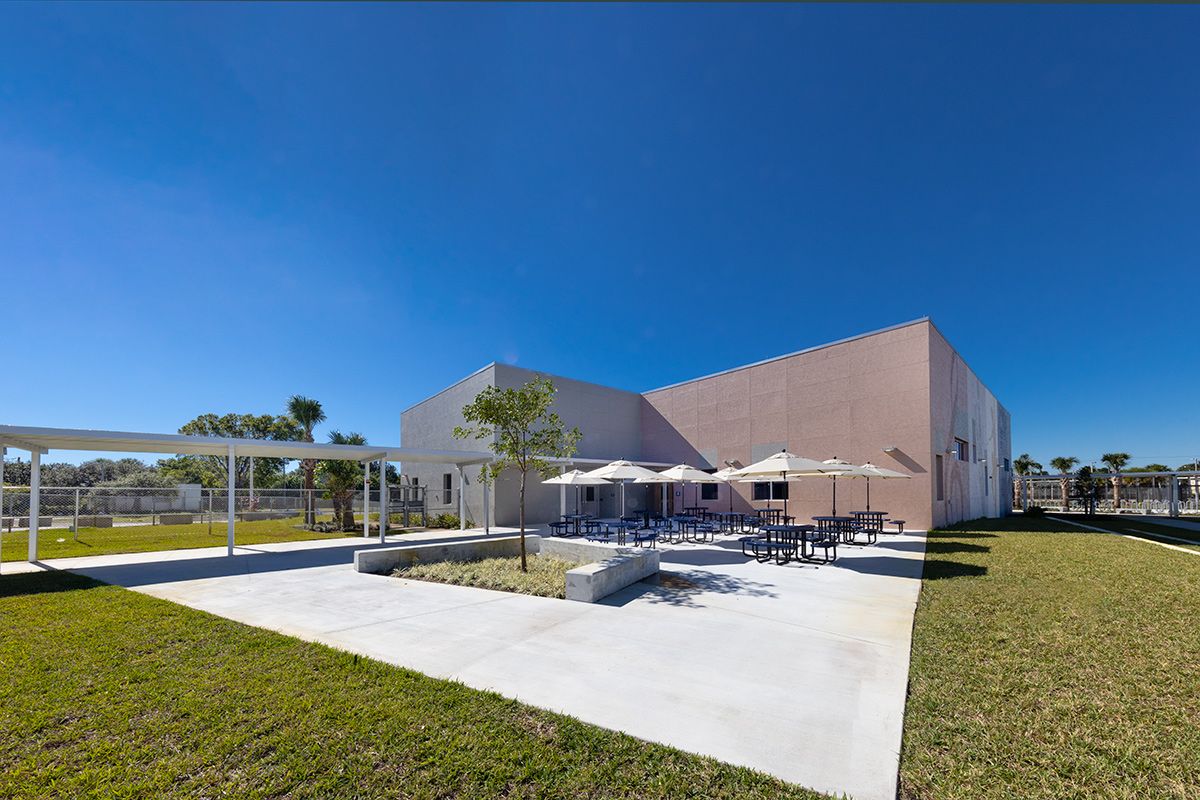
[
  {"x": 106, "y": 692},
  {"x": 1052, "y": 662}
]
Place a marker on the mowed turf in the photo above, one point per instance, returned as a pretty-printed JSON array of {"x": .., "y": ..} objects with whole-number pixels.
[
  {"x": 1052, "y": 662},
  {"x": 147, "y": 538},
  {"x": 108, "y": 693}
]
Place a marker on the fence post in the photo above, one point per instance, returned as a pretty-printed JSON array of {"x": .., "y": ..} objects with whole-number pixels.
[
  {"x": 209, "y": 511},
  {"x": 77, "y": 514},
  {"x": 153, "y": 509}
]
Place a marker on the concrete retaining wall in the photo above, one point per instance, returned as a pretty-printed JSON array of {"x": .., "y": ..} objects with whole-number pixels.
[
  {"x": 390, "y": 558},
  {"x": 609, "y": 570},
  {"x": 95, "y": 522},
  {"x": 171, "y": 519}
]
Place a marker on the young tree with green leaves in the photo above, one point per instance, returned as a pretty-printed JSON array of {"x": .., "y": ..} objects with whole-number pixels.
[
  {"x": 1115, "y": 461},
  {"x": 524, "y": 433},
  {"x": 308, "y": 414},
  {"x": 1064, "y": 464}
]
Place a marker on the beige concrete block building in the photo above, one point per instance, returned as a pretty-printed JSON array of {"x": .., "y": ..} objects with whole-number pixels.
[{"x": 901, "y": 398}]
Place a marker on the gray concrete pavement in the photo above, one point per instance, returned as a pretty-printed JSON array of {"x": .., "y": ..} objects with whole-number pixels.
[{"x": 799, "y": 671}]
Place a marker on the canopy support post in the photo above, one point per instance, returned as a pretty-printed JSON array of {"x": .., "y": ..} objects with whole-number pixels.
[
  {"x": 487, "y": 511},
  {"x": 3, "y": 452},
  {"x": 366, "y": 499},
  {"x": 35, "y": 502},
  {"x": 232, "y": 483},
  {"x": 462, "y": 499},
  {"x": 385, "y": 505}
]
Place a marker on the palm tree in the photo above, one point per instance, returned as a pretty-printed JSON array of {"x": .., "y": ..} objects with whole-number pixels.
[
  {"x": 308, "y": 415},
  {"x": 1115, "y": 461},
  {"x": 1024, "y": 465},
  {"x": 1064, "y": 464},
  {"x": 341, "y": 480}
]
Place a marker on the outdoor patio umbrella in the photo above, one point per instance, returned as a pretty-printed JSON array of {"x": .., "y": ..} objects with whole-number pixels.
[
  {"x": 876, "y": 472},
  {"x": 725, "y": 475},
  {"x": 841, "y": 469},
  {"x": 621, "y": 471},
  {"x": 575, "y": 478},
  {"x": 783, "y": 466},
  {"x": 683, "y": 473}
]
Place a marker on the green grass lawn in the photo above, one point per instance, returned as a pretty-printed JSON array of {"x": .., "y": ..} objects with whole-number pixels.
[
  {"x": 1053, "y": 662},
  {"x": 1145, "y": 527},
  {"x": 109, "y": 693},
  {"x": 546, "y": 576},
  {"x": 146, "y": 538}
]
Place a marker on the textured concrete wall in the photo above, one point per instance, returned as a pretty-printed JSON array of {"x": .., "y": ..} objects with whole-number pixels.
[
  {"x": 961, "y": 407},
  {"x": 847, "y": 400},
  {"x": 429, "y": 425},
  {"x": 609, "y": 420}
]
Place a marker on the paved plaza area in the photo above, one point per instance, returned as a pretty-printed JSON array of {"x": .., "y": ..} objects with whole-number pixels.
[{"x": 799, "y": 670}]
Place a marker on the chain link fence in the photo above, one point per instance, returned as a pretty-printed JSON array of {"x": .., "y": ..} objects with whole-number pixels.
[{"x": 108, "y": 507}]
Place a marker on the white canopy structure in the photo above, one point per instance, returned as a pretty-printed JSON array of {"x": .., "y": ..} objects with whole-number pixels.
[{"x": 39, "y": 441}]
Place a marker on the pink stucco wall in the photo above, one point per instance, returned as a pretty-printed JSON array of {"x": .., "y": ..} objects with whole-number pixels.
[{"x": 847, "y": 400}]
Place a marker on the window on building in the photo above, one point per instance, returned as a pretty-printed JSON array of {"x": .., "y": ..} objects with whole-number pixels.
[
  {"x": 1007, "y": 465},
  {"x": 937, "y": 477},
  {"x": 589, "y": 494},
  {"x": 771, "y": 491},
  {"x": 974, "y": 452},
  {"x": 446, "y": 488},
  {"x": 708, "y": 491},
  {"x": 960, "y": 449}
]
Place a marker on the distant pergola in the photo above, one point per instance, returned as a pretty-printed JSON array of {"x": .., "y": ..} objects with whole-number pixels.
[{"x": 40, "y": 441}]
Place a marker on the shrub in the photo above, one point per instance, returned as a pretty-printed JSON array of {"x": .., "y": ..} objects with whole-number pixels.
[{"x": 1035, "y": 511}]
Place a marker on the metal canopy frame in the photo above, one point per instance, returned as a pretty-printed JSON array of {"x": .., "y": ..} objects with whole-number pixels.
[{"x": 39, "y": 441}]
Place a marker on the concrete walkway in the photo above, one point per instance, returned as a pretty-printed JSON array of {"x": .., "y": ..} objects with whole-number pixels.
[{"x": 799, "y": 671}]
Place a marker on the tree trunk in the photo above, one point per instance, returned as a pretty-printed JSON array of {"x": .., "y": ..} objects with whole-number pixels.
[
  {"x": 1065, "y": 484},
  {"x": 1116, "y": 482},
  {"x": 524, "y": 566}
]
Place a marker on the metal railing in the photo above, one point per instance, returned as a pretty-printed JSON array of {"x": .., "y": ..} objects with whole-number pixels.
[{"x": 1145, "y": 493}]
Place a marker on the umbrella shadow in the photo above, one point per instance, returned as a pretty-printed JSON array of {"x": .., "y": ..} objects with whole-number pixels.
[{"x": 687, "y": 591}]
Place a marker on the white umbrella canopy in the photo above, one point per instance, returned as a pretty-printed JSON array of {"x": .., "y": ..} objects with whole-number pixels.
[
  {"x": 838, "y": 468},
  {"x": 727, "y": 474},
  {"x": 877, "y": 472},
  {"x": 576, "y": 478},
  {"x": 783, "y": 465},
  {"x": 622, "y": 471},
  {"x": 682, "y": 473}
]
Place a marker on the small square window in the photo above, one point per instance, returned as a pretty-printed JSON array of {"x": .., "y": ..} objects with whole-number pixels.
[
  {"x": 960, "y": 449},
  {"x": 708, "y": 491}
]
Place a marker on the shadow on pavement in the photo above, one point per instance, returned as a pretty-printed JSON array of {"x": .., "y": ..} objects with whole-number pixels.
[
  {"x": 246, "y": 560},
  {"x": 890, "y": 566}
]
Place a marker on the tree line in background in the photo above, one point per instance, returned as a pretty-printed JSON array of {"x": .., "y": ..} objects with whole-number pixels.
[{"x": 338, "y": 478}]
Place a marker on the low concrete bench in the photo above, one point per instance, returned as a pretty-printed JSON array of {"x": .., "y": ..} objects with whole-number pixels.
[
  {"x": 43, "y": 522},
  {"x": 96, "y": 522},
  {"x": 172, "y": 519}
]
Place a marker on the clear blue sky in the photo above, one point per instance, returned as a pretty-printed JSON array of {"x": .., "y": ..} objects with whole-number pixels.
[{"x": 209, "y": 208}]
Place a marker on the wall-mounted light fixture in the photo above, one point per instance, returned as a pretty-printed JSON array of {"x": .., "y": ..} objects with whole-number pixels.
[{"x": 890, "y": 449}]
